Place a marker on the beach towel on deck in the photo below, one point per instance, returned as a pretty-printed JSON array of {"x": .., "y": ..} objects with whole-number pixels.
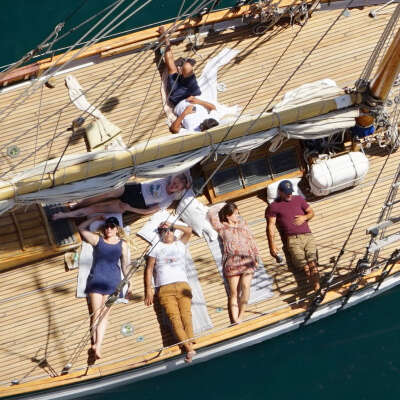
[
  {"x": 208, "y": 86},
  {"x": 86, "y": 261},
  {"x": 201, "y": 319}
]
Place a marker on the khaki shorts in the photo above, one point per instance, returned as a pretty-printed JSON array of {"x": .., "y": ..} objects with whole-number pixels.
[{"x": 302, "y": 249}]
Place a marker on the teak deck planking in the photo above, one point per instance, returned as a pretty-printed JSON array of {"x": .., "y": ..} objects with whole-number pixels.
[
  {"x": 38, "y": 307},
  {"x": 338, "y": 57}
]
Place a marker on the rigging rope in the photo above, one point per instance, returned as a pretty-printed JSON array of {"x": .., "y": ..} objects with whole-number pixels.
[
  {"x": 171, "y": 30},
  {"x": 320, "y": 295},
  {"x": 109, "y": 303},
  {"x": 166, "y": 34},
  {"x": 278, "y": 92},
  {"x": 54, "y": 69},
  {"x": 83, "y": 93},
  {"x": 121, "y": 81},
  {"x": 87, "y": 336},
  {"x": 369, "y": 66}
]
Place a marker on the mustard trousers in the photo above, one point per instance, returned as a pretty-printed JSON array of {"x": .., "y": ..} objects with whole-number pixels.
[{"x": 176, "y": 299}]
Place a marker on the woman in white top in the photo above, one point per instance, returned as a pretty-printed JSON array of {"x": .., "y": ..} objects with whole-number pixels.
[{"x": 166, "y": 263}]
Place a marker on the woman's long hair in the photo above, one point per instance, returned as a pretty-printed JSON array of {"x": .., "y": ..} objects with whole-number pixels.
[{"x": 226, "y": 211}]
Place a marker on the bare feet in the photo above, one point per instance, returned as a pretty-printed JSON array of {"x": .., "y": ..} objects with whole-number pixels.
[
  {"x": 56, "y": 216},
  {"x": 165, "y": 36},
  {"x": 97, "y": 352},
  {"x": 72, "y": 205},
  {"x": 189, "y": 356}
]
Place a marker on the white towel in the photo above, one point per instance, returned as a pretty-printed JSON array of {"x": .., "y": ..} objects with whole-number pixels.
[
  {"x": 201, "y": 319},
  {"x": 86, "y": 260},
  {"x": 261, "y": 284},
  {"x": 208, "y": 86},
  {"x": 78, "y": 98}
]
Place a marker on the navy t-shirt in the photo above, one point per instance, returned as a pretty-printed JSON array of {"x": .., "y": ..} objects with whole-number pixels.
[{"x": 182, "y": 88}]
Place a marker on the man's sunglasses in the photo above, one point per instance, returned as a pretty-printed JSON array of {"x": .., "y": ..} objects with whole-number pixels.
[{"x": 164, "y": 230}]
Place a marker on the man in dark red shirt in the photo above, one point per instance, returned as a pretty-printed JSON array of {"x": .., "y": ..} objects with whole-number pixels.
[{"x": 289, "y": 214}]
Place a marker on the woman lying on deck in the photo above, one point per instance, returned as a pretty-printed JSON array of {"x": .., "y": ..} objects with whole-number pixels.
[
  {"x": 240, "y": 257},
  {"x": 140, "y": 198},
  {"x": 109, "y": 247},
  {"x": 167, "y": 261}
]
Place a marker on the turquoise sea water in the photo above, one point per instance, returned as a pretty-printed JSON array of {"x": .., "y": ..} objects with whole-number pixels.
[{"x": 352, "y": 355}]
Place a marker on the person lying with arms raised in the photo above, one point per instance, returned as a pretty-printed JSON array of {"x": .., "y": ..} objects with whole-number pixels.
[
  {"x": 109, "y": 247},
  {"x": 139, "y": 198},
  {"x": 166, "y": 262}
]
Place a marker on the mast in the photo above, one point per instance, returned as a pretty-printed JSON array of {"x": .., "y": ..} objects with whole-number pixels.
[{"x": 387, "y": 71}]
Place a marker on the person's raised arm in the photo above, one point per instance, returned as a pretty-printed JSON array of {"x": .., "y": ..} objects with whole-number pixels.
[
  {"x": 176, "y": 125},
  {"x": 213, "y": 217},
  {"x": 271, "y": 223},
  {"x": 148, "y": 274},
  {"x": 90, "y": 237},
  {"x": 187, "y": 232}
]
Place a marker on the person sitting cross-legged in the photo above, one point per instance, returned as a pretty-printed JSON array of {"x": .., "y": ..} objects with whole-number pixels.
[{"x": 167, "y": 263}]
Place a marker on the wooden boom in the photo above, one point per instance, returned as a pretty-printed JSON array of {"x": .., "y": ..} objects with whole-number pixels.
[
  {"x": 164, "y": 147},
  {"x": 388, "y": 70}
]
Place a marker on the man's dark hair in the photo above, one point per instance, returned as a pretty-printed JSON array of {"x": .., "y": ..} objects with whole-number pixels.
[
  {"x": 180, "y": 61},
  {"x": 208, "y": 124}
]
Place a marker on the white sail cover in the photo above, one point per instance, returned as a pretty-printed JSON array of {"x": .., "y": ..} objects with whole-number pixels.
[
  {"x": 321, "y": 126},
  {"x": 307, "y": 93}
]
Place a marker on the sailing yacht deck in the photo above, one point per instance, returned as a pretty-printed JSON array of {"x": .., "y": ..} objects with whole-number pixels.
[
  {"x": 127, "y": 87},
  {"x": 38, "y": 309}
]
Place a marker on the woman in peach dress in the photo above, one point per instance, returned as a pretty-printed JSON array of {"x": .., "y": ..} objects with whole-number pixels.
[{"x": 240, "y": 258}]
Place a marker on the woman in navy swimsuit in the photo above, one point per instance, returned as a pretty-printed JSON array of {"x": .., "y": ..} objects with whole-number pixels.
[{"x": 109, "y": 247}]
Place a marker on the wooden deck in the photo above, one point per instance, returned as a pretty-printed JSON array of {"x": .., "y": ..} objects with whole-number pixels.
[
  {"x": 127, "y": 87},
  {"x": 38, "y": 309}
]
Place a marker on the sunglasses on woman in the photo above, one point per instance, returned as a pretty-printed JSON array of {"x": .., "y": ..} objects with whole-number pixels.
[{"x": 110, "y": 225}]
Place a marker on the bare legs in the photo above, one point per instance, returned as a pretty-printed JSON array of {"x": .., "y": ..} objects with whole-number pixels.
[
  {"x": 239, "y": 293},
  {"x": 111, "y": 206},
  {"x": 114, "y": 194},
  {"x": 98, "y": 321},
  {"x": 312, "y": 273},
  {"x": 168, "y": 56}
]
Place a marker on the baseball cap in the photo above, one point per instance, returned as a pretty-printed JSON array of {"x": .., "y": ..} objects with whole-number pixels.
[{"x": 286, "y": 187}]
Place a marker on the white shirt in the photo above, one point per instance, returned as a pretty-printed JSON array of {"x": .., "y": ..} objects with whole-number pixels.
[
  {"x": 155, "y": 192},
  {"x": 192, "y": 121},
  {"x": 170, "y": 263}
]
